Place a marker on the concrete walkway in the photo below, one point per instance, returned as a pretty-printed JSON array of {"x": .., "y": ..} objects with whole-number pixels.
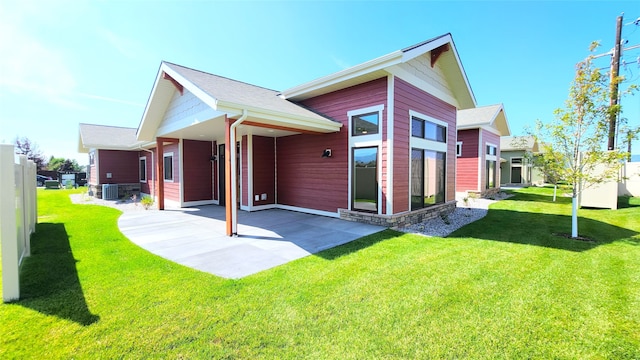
[{"x": 195, "y": 237}]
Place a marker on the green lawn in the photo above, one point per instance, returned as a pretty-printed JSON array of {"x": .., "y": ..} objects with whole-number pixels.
[{"x": 502, "y": 287}]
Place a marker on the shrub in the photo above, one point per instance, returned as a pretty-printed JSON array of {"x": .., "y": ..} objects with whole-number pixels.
[{"x": 146, "y": 202}]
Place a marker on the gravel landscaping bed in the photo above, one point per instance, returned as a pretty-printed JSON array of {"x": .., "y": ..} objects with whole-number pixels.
[{"x": 464, "y": 214}]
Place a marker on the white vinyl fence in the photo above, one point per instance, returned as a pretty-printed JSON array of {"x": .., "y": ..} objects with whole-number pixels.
[
  {"x": 630, "y": 183},
  {"x": 18, "y": 216}
]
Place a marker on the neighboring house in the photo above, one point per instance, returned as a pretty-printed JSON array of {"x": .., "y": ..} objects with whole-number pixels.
[
  {"x": 373, "y": 143},
  {"x": 113, "y": 158},
  {"x": 478, "y": 149},
  {"x": 515, "y": 164}
]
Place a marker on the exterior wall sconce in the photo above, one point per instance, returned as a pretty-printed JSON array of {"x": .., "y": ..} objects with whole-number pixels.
[
  {"x": 326, "y": 153},
  {"x": 213, "y": 158}
]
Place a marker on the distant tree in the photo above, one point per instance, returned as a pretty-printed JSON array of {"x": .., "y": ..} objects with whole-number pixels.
[
  {"x": 548, "y": 165},
  {"x": 55, "y": 163},
  {"x": 24, "y": 146},
  {"x": 63, "y": 165},
  {"x": 575, "y": 143}
]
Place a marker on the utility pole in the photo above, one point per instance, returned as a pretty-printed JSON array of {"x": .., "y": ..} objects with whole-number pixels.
[{"x": 615, "y": 69}]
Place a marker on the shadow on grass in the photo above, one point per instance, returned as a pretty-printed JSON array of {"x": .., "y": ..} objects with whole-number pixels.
[
  {"x": 523, "y": 196},
  {"x": 357, "y": 245},
  {"x": 49, "y": 280},
  {"x": 542, "y": 230},
  {"x": 625, "y": 202}
]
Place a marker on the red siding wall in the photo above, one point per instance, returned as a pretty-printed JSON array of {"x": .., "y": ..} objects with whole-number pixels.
[
  {"x": 123, "y": 166},
  {"x": 172, "y": 189},
  {"x": 408, "y": 97},
  {"x": 305, "y": 178},
  {"x": 93, "y": 177},
  {"x": 150, "y": 186},
  {"x": 197, "y": 170},
  {"x": 467, "y": 166},
  {"x": 264, "y": 165}
]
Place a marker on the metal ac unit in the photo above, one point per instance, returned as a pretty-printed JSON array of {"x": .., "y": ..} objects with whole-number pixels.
[{"x": 109, "y": 191}]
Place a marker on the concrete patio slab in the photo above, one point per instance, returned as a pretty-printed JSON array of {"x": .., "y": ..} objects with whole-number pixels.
[{"x": 195, "y": 237}]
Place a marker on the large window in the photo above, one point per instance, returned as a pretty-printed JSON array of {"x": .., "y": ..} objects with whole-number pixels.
[
  {"x": 168, "y": 166},
  {"x": 428, "y": 130},
  {"x": 490, "y": 166},
  {"x": 365, "y": 124},
  {"x": 491, "y": 174},
  {"x": 143, "y": 169},
  {"x": 428, "y": 178},
  {"x": 365, "y": 179}
]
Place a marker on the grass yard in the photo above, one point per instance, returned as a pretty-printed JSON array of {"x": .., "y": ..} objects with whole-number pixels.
[{"x": 502, "y": 287}]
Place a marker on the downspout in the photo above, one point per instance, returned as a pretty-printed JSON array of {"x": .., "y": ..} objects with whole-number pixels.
[
  {"x": 153, "y": 173},
  {"x": 234, "y": 180}
]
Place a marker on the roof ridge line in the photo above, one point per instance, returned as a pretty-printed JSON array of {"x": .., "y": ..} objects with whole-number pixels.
[{"x": 277, "y": 92}]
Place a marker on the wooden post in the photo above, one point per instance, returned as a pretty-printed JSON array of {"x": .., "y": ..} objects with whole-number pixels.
[
  {"x": 160, "y": 172},
  {"x": 615, "y": 69},
  {"x": 227, "y": 175}
]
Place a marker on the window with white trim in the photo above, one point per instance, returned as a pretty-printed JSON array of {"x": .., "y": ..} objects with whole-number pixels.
[
  {"x": 365, "y": 141},
  {"x": 459, "y": 148},
  {"x": 428, "y": 178},
  {"x": 428, "y": 156},
  {"x": 167, "y": 161},
  {"x": 143, "y": 169},
  {"x": 365, "y": 124},
  {"x": 491, "y": 161}
]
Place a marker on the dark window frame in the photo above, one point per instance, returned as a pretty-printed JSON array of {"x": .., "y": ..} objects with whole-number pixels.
[
  {"x": 142, "y": 169},
  {"x": 418, "y": 178},
  {"x": 168, "y": 170},
  {"x": 426, "y": 128},
  {"x": 359, "y": 124}
]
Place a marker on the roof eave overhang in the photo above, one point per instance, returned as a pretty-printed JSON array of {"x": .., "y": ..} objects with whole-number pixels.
[
  {"x": 310, "y": 89},
  {"x": 315, "y": 87},
  {"x": 161, "y": 94},
  {"x": 292, "y": 121}
]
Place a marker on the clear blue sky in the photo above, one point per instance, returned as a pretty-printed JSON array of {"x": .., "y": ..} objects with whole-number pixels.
[{"x": 67, "y": 62}]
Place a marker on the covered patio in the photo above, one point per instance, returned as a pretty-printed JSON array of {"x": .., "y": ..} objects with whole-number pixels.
[
  {"x": 190, "y": 105},
  {"x": 197, "y": 237}
]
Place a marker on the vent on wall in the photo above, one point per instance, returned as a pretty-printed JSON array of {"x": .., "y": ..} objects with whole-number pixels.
[{"x": 110, "y": 191}]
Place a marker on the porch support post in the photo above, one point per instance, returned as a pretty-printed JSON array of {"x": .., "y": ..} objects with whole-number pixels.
[
  {"x": 228, "y": 153},
  {"x": 160, "y": 167}
]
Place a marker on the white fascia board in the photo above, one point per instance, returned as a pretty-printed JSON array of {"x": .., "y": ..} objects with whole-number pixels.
[
  {"x": 152, "y": 116},
  {"x": 144, "y": 122},
  {"x": 346, "y": 74},
  {"x": 196, "y": 91},
  {"x": 424, "y": 48},
  {"x": 304, "y": 122},
  {"x": 464, "y": 74}
]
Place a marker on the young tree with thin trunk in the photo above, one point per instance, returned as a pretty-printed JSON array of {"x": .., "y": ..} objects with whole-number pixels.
[{"x": 575, "y": 143}]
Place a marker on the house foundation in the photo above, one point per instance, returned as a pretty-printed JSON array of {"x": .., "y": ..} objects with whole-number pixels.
[{"x": 401, "y": 219}]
